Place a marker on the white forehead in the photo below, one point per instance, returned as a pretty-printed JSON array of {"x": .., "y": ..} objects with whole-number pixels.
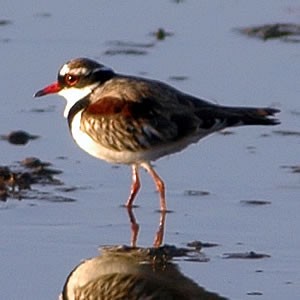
[
  {"x": 81, "y": 70},
  {"x": 64, "y": 70},
  {"x": 76, "y": 71}
]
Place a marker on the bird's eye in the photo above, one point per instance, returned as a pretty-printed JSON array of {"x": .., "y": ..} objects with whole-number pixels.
[{"x": 71, "y": 80}]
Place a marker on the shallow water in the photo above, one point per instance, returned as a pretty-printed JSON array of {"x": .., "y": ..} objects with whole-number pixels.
[{"x": 41, "y": 241}]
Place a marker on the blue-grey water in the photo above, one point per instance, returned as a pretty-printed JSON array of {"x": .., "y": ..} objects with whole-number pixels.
[{"x": 41, "y": 241}]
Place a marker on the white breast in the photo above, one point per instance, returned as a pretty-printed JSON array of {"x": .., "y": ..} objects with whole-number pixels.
[{"x": 95, "y": 149}]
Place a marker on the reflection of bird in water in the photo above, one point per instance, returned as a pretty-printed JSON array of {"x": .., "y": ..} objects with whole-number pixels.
[
  {"x": 131, "y": 274},
  {"x": 135, "y": 229}
]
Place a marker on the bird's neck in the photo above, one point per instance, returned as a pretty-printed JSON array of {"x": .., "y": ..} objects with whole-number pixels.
[
  {"x": 77, "y": 107},
  {"x": 73, "y": 95}
]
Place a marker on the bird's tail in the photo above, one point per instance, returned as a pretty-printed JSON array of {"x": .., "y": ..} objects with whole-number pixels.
[{"x": 238, "y": 116}]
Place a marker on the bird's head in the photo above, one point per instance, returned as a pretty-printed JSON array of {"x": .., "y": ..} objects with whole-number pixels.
[{"x": 76, "y": 79}]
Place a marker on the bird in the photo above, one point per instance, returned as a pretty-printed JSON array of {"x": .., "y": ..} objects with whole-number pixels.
[
  {"x": 122, "y": 272},
  {"x": 133, "y": 120}
]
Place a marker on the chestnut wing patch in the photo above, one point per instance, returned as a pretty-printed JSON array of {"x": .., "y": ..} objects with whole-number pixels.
[
  {"x": 108, "y": 106},
  {"x": 145, "y": 108}
]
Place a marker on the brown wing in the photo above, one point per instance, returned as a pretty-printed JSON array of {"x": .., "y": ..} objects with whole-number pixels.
[{"x": 134, "y": 114}]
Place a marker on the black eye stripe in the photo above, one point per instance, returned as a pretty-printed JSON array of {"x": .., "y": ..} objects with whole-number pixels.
[{"x": 83, "y": 76}]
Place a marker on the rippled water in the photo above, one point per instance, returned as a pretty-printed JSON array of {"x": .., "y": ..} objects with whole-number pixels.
[{"x": 41, "y": 241}]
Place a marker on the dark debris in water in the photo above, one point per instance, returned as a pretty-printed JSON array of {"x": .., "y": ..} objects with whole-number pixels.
[
  {"x": 5, "y": 40},
  {"x": 295, "y": 112},
  {"x": 198, "y": 245},
  {"x": 43, "y": 15},
  {"x": 255, "y": 202},
  {"x": 226, "y": 132},
  {"x": 16, "y": 181},
  {"x": 161, "y": 34},
  {"x": 34, "y": 162},
  {"x": 285, "y": 132},
  {"x": 245, "y": 255},
  {"x": 254, "y": 293},
  {"x": 47, "y": 196},
  {"x": 125, "y": 51},
  {"x": 178, "y": 77},
  {"x": 129, "y": 44},
  {"x": 50, "y": 108},
  {"x": 41, "y": 171},
  {"x": 265, "y": 135},
  {"x": 18, "y": 137},
  {"x": 197, "y": 193},
  {"x": 4, "y": 22},
  {"x": 293, "y": 169},
  {"x": 69, "y": 189},
  {"x": 119, "y": 47},
  {"x": 251, "y": 149},
  {"x": 289, "y": 32}
]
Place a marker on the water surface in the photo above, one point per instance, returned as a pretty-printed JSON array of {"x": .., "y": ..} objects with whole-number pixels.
[{"x": 41, "y": 241}]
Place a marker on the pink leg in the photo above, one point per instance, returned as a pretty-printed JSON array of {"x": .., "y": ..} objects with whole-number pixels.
[
  {"x": 135, "y": 186},
  {"x": 159, "y": 185}
]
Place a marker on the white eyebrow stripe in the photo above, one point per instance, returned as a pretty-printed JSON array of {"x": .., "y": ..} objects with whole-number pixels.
[
  {"x": 81, "y": 70},
  {"x": 64, "y": 70},
  {"x": 76, "y": 71}
]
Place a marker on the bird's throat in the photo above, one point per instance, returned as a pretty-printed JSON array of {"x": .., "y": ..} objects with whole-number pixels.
[{"x": 74, "y": 95}]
